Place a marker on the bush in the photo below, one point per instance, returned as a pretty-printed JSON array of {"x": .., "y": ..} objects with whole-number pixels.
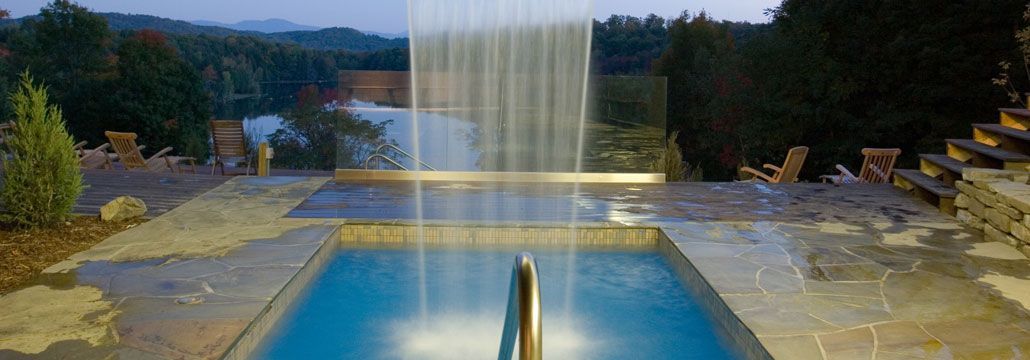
[
  {"x": 671, "y": 163},
  {"x": 42, "y": 181}
]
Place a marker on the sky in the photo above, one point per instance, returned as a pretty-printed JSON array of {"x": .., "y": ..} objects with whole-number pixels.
[{"x": 388, "y": 16}]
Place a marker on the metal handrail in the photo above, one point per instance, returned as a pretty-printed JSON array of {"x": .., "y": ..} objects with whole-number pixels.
[
  {"x": 387, "y": 158},
  {"x": 523, "y": 314},
  {"x": 400, "y": 151}
]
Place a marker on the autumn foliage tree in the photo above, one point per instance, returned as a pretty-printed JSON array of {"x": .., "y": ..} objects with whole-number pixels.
[{"x": 156, "y": 94}]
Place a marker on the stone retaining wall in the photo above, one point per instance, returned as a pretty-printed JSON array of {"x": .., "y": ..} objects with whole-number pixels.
[{"x": 997, "y": 202}]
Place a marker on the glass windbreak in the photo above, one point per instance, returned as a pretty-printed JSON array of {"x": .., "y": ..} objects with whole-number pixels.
[{"x": 623, "y": 132}]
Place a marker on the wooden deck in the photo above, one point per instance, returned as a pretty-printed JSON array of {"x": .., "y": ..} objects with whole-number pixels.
[{"x": 160, "y": 191}]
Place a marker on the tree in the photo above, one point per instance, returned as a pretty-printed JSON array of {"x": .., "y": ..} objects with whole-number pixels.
[
  {"x": 706, "y": 88},
  {"x": 5, "y": 69},
  {"x": 317, "y": 134},
  {"x": 840, "y": 75},
  {"x": 157, "y": 95},
  {"x": 67, "y": 47},
  {"x": 42, "y": 181},
  {"x": 626, "y": 45}
]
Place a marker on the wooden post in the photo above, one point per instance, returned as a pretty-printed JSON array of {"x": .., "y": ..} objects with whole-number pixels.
[{"x": 262, "y": 163}]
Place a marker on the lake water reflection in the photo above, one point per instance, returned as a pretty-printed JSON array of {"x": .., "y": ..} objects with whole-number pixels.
[{"x": 622, "y": 133}]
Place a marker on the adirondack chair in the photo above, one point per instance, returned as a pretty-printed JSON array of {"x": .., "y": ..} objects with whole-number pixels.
[
  {"x": 229, "y": 143},
  {"x": 93, "y": 158},
  {"x": 786, "y": 174},
  {"x": 6, "y": 134},
  {"x": 877, "y": 168},
  {"x": 131, "y": 157}
]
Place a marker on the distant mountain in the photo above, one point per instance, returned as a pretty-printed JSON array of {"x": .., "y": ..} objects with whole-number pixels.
[
  {"x": 387, "y": 35},
  {"x": 338, "y": 38},
  {"x": 118, "y": 22},
  {"x": 264, "y": 26}
]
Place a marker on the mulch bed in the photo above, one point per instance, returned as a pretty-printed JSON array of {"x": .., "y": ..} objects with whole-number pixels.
[{"x": 24, "y": 253}]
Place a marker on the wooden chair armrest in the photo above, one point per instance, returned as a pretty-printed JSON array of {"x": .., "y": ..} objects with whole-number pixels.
[
  {"x": 846, "y": 177},
  {"x": 772, "y": 167},
  {"x": 79, "y": 146},
  {"x": 103, "y": 147},
  {"x": 161, "y": 153},
  {"x": 757, "y": 173}
]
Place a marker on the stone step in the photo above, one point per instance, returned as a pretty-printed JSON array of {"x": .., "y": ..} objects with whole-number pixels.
[
  {"x": 1008, "y": 138},
  {"x": 1006, "y": 131},
  {"x": 942, "y": 167},
  {"x": 927, "y": 188},
  {"x": 1015, "y": 118},
  {"x": 986, "y": 156}
]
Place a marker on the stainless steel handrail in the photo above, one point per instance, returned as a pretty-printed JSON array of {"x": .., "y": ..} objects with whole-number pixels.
[
  {"x": 523, "y": 317},
  {"x": 400, "y": 151},
  {"x": 384, "y": 157}
]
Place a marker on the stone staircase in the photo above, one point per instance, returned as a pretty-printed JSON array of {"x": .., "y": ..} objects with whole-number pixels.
[{"x": 1005, "y": 145}]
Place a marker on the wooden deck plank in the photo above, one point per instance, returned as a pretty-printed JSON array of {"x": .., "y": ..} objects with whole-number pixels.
[{"x": 161, "y": 192}]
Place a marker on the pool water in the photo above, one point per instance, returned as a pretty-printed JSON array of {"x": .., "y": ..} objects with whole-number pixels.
[{"x": 366, "y": 305}]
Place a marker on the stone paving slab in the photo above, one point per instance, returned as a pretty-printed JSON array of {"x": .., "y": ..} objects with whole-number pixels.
[
  {"x": 849, "y": 291},
  {"x": 182, "y": 286},
  {"x": 814, "y": 271}
]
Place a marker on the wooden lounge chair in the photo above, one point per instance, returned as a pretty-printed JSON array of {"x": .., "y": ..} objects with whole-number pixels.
[
  {"x": 786, "y": 174},
  {"x": 6, "y": 134},
  {"x": 93, "y": 158},
  {"x": 877, "y": 168},
  {"x": 229, "y": 143},
  {"x": 129, "y": 155}
]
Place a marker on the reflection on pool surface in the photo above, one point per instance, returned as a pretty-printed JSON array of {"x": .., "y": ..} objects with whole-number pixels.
[{"x": 365, "y": 304}]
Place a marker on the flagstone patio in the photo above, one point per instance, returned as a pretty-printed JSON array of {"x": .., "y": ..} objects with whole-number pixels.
[{"x": 813, "y": 271}]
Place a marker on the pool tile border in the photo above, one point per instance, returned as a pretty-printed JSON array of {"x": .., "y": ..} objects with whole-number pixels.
[
  {"x": 454, "y": 235},
  {"x": 742, "y": 338},
  {"x": 261, "y": 326},
  {"x": 405, "y": 235}
]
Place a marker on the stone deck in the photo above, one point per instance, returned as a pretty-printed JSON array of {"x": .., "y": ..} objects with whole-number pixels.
[
  {"x": 182, "y": 286},
  {"x": 814, "y": 271}
]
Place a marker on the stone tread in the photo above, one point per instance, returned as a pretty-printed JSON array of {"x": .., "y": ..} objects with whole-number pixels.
[
  {"x": 945, "y": 161},
  {"x": 1016, "y": 111},
  {"x": 1004, "y": 130},
  {"x": 989, "y": 151},
  {"x": 927, "y": 183}
]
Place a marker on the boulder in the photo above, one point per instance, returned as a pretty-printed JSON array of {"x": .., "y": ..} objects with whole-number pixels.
[
  {"x": 992, "y": 175},
  {"x": 970, "y": 219},
  {"x": 123, "y": 208}
]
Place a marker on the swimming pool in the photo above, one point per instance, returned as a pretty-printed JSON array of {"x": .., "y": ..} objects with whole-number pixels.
[{"x": 365, "y": 303}]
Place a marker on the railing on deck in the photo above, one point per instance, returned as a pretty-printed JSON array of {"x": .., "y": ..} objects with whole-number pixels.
[
  {"x": 377, "y": 155},
  {"x": 523, "y": 318}
]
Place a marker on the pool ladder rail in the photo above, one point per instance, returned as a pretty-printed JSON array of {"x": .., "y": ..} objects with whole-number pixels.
[
  {"x": 523, "y": 317},
  {"x": 378, "y": 155}
]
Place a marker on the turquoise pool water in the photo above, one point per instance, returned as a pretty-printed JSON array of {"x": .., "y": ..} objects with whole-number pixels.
[{"x": 366, "y": 305}]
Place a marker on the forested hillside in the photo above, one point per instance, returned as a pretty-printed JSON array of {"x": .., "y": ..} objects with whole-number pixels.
[
  {"x": 834, "y": 75},
  {"x": 339, "y": 38},
  {"x": 837, "y": 76},
  {"x": 160, "y": 85}
]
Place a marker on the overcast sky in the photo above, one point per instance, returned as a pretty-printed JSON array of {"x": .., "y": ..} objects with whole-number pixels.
[{"x": 374, "y": 15}]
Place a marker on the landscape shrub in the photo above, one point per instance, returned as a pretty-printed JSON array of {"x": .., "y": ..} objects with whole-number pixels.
[{"x": 42, "y": 181}]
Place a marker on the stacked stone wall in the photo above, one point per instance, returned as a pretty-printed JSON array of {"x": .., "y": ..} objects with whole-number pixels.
[{"x": 997, "y": 202}]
